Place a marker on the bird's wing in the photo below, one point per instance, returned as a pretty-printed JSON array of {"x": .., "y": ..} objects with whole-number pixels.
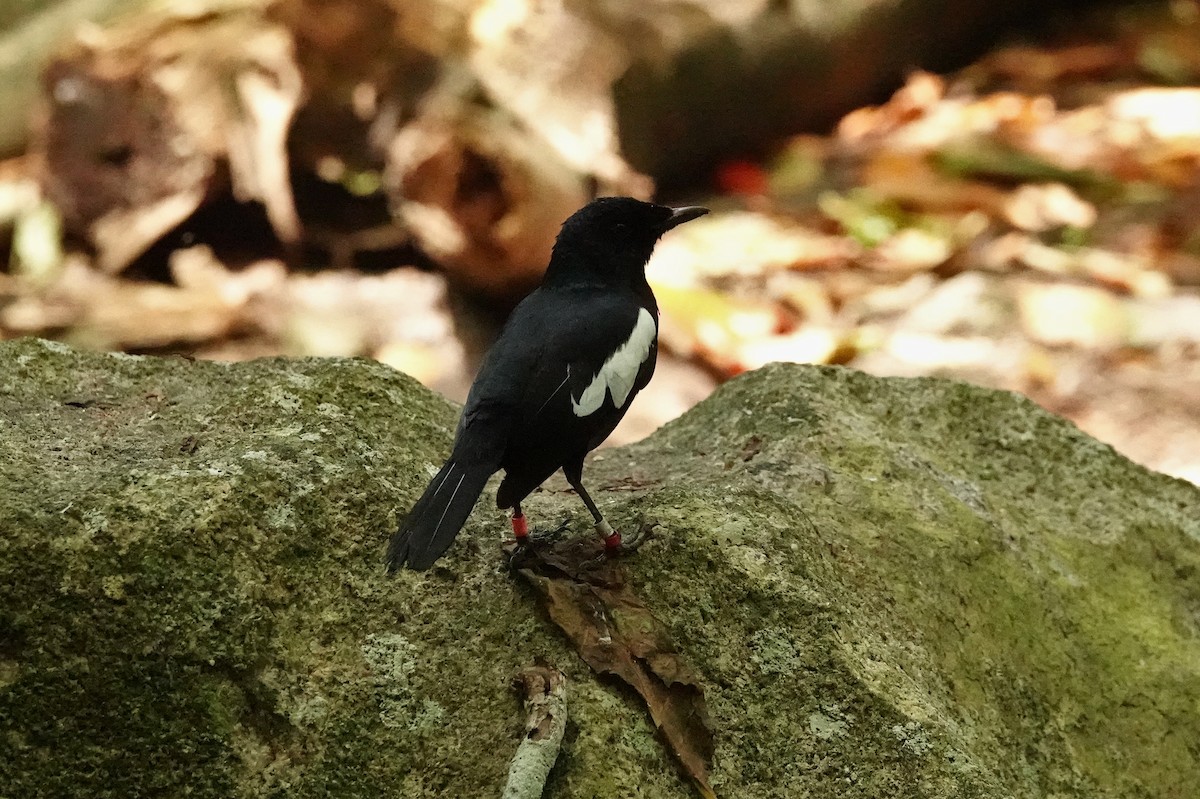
[
  {"x": 565, "y": 350},
  {"x": 617, "y": 375}
]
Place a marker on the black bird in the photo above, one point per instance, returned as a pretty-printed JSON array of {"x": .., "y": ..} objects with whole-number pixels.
[{"x": 558, "y": 379}]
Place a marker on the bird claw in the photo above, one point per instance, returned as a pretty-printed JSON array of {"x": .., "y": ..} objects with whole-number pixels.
[
  {"x": 623, "y": 547},
  {"x": 645, "y": 532},
  {"x": 522, "y": 546},
  {"x": 517, "y": 553},
  {"x": 537, "y": 536},
  {"x": 552, "y": 534}
]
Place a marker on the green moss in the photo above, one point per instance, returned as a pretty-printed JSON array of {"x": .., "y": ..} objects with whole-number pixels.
[
  {"x": 1005, "y": 582},
  {"x": 902, "y": 588}
]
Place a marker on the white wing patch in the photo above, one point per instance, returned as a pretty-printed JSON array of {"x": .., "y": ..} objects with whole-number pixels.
[{"x": 618, "y": 373}]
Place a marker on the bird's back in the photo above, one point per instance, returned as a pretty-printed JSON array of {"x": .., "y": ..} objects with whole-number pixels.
[{"x": 561, "y": 376}]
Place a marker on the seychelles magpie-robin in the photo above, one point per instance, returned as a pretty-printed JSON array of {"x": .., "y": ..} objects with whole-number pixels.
[{"x": 558, "y": 379}]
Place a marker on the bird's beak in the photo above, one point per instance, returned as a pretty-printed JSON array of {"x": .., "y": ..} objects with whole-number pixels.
[{"x": 680, "y": 215}]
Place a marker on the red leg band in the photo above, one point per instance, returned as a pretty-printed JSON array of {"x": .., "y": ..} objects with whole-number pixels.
[{"x": 520, "y": 527}]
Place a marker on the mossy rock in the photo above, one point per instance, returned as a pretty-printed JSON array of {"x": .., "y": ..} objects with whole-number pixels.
[{"x": 889, "y": 588}]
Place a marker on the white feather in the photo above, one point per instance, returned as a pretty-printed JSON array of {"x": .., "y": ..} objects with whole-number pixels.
[{"x": 617, "y": 375}]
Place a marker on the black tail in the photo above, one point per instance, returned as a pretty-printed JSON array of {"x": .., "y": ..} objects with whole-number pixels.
[{"x": 430, "y": 527}]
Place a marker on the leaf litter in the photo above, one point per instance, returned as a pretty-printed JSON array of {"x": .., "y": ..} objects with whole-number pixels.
[
  {"x": 592, "y": 602},
  {"x": 1028, "y": 223}
]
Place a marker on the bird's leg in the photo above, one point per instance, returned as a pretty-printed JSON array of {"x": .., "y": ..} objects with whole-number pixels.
[
  {"x": 612, "y": 539},
  {"x": 525, "y": 539},
  {"x": 520, "y": 526},
  {"x": 524, "y": 536}
]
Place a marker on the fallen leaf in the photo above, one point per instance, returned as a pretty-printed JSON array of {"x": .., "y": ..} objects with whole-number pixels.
[
  {"x": 910, "y": 179},
  {"x": 1081, "y": 316},
  {"x": 142, "y": 117},
  {"x": 268, "y": 90},
  {"x": 992, "y": 160},
  {"x": 423, "y": 361},
  {"x": 811, "y": 344},
  {"x": 920, "y": 93},
  {"x": 743, "y": 244},
  {"x": 1163, "y": 113},
  {"x": 911, "y": 250},
  {"x": 616, "y": 634},
  {"x": 1044, "y": 206},
  {"x": 37, "y": 251},
  {"x": 712, "y": 324}
]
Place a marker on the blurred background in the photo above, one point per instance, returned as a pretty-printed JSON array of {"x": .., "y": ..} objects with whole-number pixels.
[{"x": 1006, "y": 193}]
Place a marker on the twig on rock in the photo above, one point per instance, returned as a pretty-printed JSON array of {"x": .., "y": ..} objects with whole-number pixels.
[{"x": 544, "y": 692}]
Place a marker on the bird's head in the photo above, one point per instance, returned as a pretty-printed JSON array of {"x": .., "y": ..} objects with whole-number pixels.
[{"x": 613, "y": 237}]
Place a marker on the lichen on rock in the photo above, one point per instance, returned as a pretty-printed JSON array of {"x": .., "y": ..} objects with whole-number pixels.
[{"x": 902, "y": 588}]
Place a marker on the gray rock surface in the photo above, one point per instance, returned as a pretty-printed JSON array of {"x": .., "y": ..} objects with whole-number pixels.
[{"x": 889, "y": 588}]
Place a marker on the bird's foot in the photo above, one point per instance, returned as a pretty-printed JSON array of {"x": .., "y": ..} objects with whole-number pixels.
[
  {"x": 617, "y": 545},
  {"x": 517, "y": 554},
  {"x": 524, "y": 536},
  {"x": 632, "y": 543},
  {"x": 524, "y": 540}
]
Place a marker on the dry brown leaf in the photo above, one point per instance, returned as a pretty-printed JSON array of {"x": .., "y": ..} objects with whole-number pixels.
[
  {"x": 480, "y": 197},
  {"x": 913, "y": 100},
  {"x": 713, "y": 324},
  {"x": 140, "y": 116},
  {"x": 809, "y": 297},
  {"x": 910, "y": 250},
  {"x": 811, "y": 344},
  {"x": 909, "y": 178},
  {"x": 1066, "y": 315},
  {"x": 1044, "y": 206},
  {"x": 742, "y": 244},
  {"x": 616, "y": 634},
  {"x": 552, "y": 67}
]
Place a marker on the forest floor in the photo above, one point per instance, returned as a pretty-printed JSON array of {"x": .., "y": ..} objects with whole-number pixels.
[{"x": 1031, "y": 223}]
